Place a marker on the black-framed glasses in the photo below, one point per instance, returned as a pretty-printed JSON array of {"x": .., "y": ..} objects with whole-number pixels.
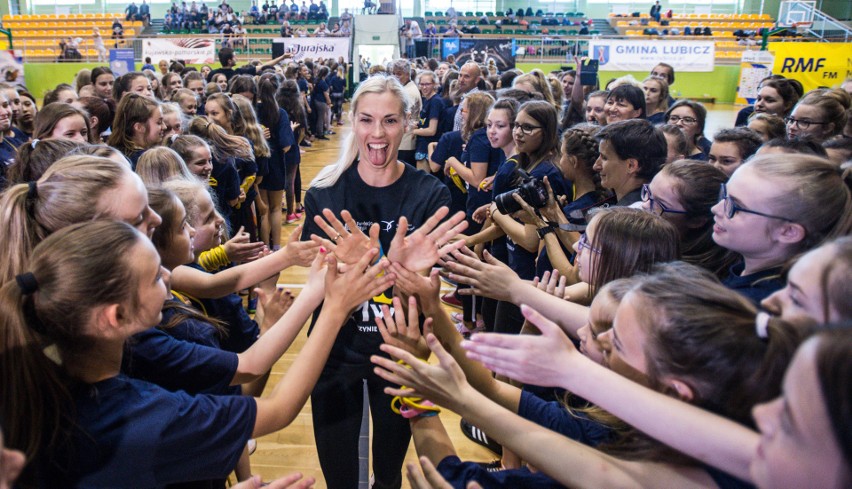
[
  {"x": 526, "y": 129},
  {"x": 802, "y": 123},
  {"x": 656, "y": 206},
  {"x": 731, "y": 208},
  {"x": 583, "y": 243},
  {"x": 674, "y": 119}
]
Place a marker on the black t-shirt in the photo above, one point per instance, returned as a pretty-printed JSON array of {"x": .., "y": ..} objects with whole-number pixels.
[{"x": 415, "y": 195}]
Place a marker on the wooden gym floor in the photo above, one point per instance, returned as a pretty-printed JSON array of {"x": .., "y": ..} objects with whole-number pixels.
[{"x": 293, "y": 449}]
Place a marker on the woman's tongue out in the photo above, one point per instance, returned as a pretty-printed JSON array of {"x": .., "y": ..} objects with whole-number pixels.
[{"x": 377, "y": 153}]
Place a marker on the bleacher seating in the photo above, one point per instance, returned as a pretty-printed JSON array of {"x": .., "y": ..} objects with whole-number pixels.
[{"x": 38, "y": 35}]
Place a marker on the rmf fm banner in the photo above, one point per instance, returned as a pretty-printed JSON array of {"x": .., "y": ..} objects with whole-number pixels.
[
  {"x": 814, "y": 64},
  {"x": 185, "y": 49},
  {"x": 312, "y": 47},
  {"x": 618, "y": 55}
]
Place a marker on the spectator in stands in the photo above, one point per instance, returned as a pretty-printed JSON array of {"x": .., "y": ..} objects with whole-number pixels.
[
  {"x": 313, "y": 11},
  {"x": 322, "y": 30},
  {"x": 345, "y": 16},
  {"x": 255, "y": 12},
  {"x": 131, "y": 11},
  {"x": 294, "y": 10},
  {"x": 286, "y": 30},
  {"x": 323, "y": 11},
  {"x": 144, "y": 13},
  {"x": 117, "y": 32},
  {"x": 655, "y": 11},
  {"x": 345, "y": 31}
]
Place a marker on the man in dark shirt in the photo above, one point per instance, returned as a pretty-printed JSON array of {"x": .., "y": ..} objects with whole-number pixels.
[{"x": 229, "y": 61}]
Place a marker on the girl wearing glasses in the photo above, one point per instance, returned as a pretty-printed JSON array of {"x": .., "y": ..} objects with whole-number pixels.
[
  {"x": 775, "y": 207},
  {"x": 690, "y": 117},
  {"x": 820, "y": 114},
  {"x": 683, "y": 194}
]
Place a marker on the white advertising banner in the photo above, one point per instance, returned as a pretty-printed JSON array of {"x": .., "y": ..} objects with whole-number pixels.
[
  {"x": 619, "y": 55},
  {"x": 188, "y": 50},
  {"x": 313, "y": 47}
]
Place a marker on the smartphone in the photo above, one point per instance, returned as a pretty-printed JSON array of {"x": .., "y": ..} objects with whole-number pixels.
[{"x": 589, "y": 74}]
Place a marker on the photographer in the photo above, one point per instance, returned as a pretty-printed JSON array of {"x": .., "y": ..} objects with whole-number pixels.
[{"x": 536, "y": 144}]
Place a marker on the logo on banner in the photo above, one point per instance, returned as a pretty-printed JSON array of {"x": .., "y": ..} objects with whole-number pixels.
[{"x": 601, "y": 54}]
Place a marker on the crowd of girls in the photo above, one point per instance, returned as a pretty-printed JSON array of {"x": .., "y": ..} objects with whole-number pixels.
[{"x": 641, "y": 305}]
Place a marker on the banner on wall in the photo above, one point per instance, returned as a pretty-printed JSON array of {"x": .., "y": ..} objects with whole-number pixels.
[
  {"x": 814, "y": 64},
  {"x": 188, "y": 50},
  {"x": 755, "y": 66},
  {"x": 312, "y": 47},
  {"x": 121, "y": 61},
  {"x": 622, "y": 55},
  {"x": 480, "y": 50}
]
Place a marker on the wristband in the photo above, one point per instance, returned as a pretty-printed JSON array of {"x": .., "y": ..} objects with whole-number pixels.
[
  {"x": 413, "y": 407},
  {"x": 544, "y": 231}
]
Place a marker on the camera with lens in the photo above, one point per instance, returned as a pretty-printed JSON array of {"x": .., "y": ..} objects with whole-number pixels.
[{"x": 531, "y": 190}]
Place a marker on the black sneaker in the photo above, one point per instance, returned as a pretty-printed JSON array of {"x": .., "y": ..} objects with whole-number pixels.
[{"x": 479, "y": 437}]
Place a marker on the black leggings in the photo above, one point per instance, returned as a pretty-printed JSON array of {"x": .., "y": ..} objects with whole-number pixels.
[
  {"x": 336, "y": 404},
  {"x": 508, "y": 318}
]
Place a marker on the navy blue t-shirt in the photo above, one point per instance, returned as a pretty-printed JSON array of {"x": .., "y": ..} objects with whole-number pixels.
[
  {"x": 158, "y": 357},
  {"x": 451, "y": 144},
  {"x": 478, "y": 149},
  {"x": 133, "y": 433},
  {"x": 225, "y": 181},
  {"x": 431, "y": 109},
  {"x": 755, "y": 286},
  {"x": 320, "y": 88}
]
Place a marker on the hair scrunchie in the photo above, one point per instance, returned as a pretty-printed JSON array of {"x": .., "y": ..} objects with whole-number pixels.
[
  {"x": 761, "y": 325},
  {"x": 32, "y": 191},
  {"x": 27, "y": 283}
]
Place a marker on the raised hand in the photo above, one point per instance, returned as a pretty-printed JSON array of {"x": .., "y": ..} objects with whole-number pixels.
[
  {"x": 239, "y": 249},
  {"x": 302, "y": 253},
  {"x": 347, "y": 290},
  {"x": 444, "y": 384},
  {"x": 348, "y": 245},
  {"x": 489, "y": 278},
  {"x": 401, "y": 333},
  {"x": 421, "y": 249},
  {"x": 270, "y": 307},
  {"x": 552, "y": 283},
  {"x": 426, "y": 289},
  {"x": 539, "y": 360}
]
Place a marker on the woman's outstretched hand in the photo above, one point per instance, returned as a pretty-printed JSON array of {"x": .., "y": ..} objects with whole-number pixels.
[
  {"x": 543, "y": 360},
  {"x": 302, "y": 253},
  {"x": 490, "y": 278},
  {"x": 444, "y": 384},
  {"x": 421, "y": 249},
  {"x": 348, "y": 245},
  {"x": 346, "y": 290}
]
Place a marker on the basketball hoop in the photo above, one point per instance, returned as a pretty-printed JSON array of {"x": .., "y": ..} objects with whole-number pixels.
[{"x": 802, "y": 27}]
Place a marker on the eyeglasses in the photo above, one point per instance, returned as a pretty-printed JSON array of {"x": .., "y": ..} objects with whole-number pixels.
[
  {"x": 803, "y": 124},
  {"x": 731, "y": 208},
  {"x": 656, "y": 207},
  {"x": 425, "y": 84},
  {"x": 526, "y": 129},
  {"x": 674, "y": 119},
  {"x": 583, "y": 243}
]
